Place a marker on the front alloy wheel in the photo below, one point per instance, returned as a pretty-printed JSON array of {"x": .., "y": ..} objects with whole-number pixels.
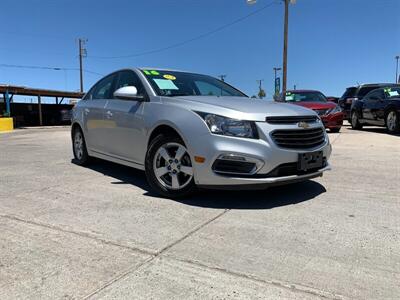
[
  {"x": 392, "y": 122},
  {"x": 172, "y": 166},
  {"x": 169, "y": 168}
]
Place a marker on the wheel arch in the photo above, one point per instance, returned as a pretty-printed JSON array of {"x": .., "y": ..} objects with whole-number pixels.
[
  {"x": 74, "y": 126},
  {"x": 389, "y": 108},
  {"x": 165, "y": 128}
]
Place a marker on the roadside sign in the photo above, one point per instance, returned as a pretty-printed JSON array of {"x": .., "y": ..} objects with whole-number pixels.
[{"x": 277, "y": 85}]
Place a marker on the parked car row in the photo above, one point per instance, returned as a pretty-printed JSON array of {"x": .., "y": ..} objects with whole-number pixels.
[
  {"x": 375, "y": 104},
  {"x": 354, "y": 93},
  {"x": 380, "y": 107},
  {"x": 189, "y": 130}
]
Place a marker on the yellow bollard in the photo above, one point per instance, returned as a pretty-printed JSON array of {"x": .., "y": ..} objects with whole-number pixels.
[{"x": 6, "y": 124}]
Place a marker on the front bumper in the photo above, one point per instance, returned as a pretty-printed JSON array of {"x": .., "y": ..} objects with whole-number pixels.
[
  {"x": 264, "y": 149},
  {"x": 263, "y": 183},
  {"x": 333, "y": 120}
]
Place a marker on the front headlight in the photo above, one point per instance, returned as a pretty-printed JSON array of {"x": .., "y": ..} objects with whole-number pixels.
[
  {"x": 334, "y": 110},
  {"x": 230, "y": 127}
]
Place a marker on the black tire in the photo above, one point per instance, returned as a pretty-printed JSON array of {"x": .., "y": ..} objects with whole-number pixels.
[
  {"x": 81, "y": 155},
  {"x": 355, "y": 122},
  {"x": 160, "y": 184},
  {"x": 335, "y": 130},
  {"x": 392, "y": 121}
]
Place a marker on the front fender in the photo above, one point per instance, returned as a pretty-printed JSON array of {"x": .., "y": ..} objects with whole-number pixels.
[{"x": 187, "y": 123}]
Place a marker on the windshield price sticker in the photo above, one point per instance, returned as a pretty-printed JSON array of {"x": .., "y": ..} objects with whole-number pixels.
[
  {"x": 152, "y": 72},
  {"x": 170, "y": 77},
  {"x": 165, "y": 84}
]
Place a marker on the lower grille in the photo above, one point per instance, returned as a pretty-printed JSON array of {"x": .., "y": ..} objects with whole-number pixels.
[
  {"x": 233, "y": 167},
  {"x": 299, "y": 138}
]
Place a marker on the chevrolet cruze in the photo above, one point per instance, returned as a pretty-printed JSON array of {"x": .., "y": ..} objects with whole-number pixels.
[{"x": 189, "y": 130}]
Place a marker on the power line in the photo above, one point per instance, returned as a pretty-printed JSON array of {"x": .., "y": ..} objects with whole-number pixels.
[
  {"x": 47, "y": 68},
  {"x": 201, "y": 36}
]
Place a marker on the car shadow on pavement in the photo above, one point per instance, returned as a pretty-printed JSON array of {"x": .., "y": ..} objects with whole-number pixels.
[
  {"x": 257, "y": 199},
  {"x": 381, "y": 130},
  {"x": 218, "y": 199}
]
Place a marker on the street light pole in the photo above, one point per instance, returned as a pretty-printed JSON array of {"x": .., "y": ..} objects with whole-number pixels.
[
  {"x": 285, "y": 47},
  {"x": 397, "y": 69},
  {"x": 82, "y": 53}
]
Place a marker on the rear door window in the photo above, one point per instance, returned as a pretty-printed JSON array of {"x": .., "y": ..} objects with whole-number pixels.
[
  {"x": 350, "y": 92},
  {"x": 365, "y": 90}
]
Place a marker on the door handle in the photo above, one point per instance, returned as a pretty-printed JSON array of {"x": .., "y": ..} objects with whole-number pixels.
[
  {"x": 86, "y": 110},
  {"x": 109, "y": 114}
]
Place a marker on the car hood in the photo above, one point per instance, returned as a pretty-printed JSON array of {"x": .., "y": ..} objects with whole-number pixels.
[
  {"x": 316, "y": 105},
  {"x": 238, "y": 107}
]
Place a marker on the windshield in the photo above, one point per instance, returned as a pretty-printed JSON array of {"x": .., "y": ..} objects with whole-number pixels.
[
  {"x": 172, "y": 83},
  {"x": 305, "y": 97}
]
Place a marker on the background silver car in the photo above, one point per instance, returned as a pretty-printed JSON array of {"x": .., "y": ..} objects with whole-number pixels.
[{"x": 187, "y": 130}]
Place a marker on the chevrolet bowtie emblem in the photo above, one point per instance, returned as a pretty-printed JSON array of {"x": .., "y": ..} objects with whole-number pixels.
[{"x": 303, "y": 125}]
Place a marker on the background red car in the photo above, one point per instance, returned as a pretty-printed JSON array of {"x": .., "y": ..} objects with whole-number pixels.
[{"x": 329, "y": 112}]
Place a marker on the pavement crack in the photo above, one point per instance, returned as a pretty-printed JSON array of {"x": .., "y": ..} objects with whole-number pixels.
[
  {"x": 80, "y": 234},
  {"x": 119, "y": 277},
  {"x": 290, "y": 286},
  {"x": 190, "y": 233},
  {"x": 158, "y": 254}
]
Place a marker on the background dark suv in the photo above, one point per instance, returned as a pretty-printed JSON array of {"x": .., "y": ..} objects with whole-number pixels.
[{"x": 355, "y": 93}]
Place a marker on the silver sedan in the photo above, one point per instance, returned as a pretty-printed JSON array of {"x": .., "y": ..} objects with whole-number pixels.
[{"x": 189, "y": 130}]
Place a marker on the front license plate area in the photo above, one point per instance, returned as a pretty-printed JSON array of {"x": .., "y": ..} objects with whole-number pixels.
[{"x": 310, "y": 160}]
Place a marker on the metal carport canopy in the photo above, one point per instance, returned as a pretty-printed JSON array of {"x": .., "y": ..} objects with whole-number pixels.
[{"x": 12, "y": 90}]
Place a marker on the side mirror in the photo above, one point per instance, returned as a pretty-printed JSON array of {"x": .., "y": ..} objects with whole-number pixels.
[{"x": 127, "y": 93}]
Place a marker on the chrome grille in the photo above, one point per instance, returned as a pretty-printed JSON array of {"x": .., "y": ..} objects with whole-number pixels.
[
  {"x": 291, "y": 119},
  {"x": 299, "y": 138}
]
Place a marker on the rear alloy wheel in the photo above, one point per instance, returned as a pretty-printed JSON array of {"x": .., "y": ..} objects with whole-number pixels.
[
  {"x": 169, "y": 168},
  {"x": 355, "y": 122},
  {"x": 393, "y": 122},
  {"x": 79, "y": 147}
]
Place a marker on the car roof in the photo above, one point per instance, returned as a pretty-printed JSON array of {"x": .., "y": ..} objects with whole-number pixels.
[
  {"x": 372, "y": 85},
  {"x": 162, "y": 69},
  {"x": 303, "y": 91}
]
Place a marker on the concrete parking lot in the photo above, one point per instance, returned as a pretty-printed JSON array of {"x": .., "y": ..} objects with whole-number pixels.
[{"x": 99, "y": 232}]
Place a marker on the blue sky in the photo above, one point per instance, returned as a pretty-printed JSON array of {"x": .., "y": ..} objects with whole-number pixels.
[{"x": 332, "y": 43}]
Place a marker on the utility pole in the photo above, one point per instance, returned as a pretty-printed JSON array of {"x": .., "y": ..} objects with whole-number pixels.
[
  {"x": 261, "y": 93},
  {"x": 397, "y": 69},
  {"x": 260, "y": 83},
  {"x": 82, "y": 54},
  {"x": 285, "y": 39},
  {"x": 222, "y": 77},
  {"x": 285, "y": 47}
]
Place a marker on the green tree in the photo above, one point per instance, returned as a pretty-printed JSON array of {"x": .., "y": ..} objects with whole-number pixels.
[{"x": 261, "y": 94}]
